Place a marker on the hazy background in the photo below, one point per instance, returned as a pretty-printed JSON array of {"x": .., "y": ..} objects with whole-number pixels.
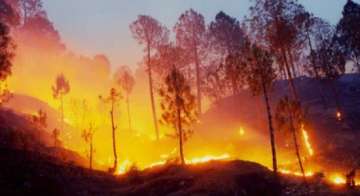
[{"x": 102, "y": 26}]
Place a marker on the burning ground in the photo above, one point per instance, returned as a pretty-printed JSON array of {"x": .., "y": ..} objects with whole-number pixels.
[
  {"x": 225, "y": 103},
  {"x": 239, "y": 140},
  {"x": 30, "y": 167}
]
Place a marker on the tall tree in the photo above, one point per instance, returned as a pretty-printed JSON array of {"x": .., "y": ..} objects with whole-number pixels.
[
  {"x": 226, "y": 35},
  {"x": 179, "y": 107},
  {"x": 191, "y": 35},
  {"x": 126, "y": 81},
  {"x": 150, "y": 33},
  {"x": 348, "y": 30},
  {"x": 289, "y": 117},
  {"x": 261, "y": 76},
  {"x": 167, "y": 56},
  {"x": 227, "y": 39},
  {"x": 60, "y": 89},
  {"x": 112, "y": 99},
  {"x": 272, "y": 25},
  {"x": 331, "y": 60}
]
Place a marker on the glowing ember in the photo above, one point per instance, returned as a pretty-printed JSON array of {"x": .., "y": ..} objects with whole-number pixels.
[
  {"x": 307, "y": 141},
  {"x": 338, "y": 115}
]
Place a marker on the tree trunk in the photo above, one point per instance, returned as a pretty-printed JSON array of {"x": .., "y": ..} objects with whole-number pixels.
[
  {"x": 317, "y": 77},
  {"x": 113, "y": 135},
  {"x": 152, "y": 94},
  {"x": 198, "y": 81},
  {"x": 62, "y": 111},
  {"x": 297, "y": 150},
  {"x": 128, "y": 111},
  {"x": 289, "y": 75},
  {"x": 91, "y": 153},
  {"x": 292, "y": 65},
  {"x": 271, "y": 129},
  {"x": 182, "y": 159}
]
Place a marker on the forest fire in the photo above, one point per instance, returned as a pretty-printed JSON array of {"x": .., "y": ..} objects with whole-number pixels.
[
  {"x": 275, "y": 93},
  {"x": 307, "y": 140},
  {"x": 126, "y": 165},
  {"x": 337, "y": 179},
  {"x": 295, "y": 173}
]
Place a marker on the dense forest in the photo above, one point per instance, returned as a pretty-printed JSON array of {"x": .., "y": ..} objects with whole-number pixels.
[{"x": 269, "y": 103}]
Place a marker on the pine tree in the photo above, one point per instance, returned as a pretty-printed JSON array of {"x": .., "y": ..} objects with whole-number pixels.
[{"x": 179, "y": 107}]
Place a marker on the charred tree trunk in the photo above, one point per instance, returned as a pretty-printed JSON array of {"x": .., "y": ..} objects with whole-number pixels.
[
  {"x": 271, "y": 129},
  {"x": 152, "y": 94},
  {"x": 113, "y": 135}
]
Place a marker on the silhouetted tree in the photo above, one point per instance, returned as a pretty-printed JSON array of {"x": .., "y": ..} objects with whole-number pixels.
[
  {"x": 215, "y": 83},
  {"x": 226, "y": 35},
  {"x": 331, "y": 61},
  {"x": 235, "y": 71},
  {"x": 88, "y": 135},
  {"x": 261, "y": 76},
  {"x": 227, "y": 39},
  {"x": 179, "y": 107},
  {"x": 60, "y": 89},
  {"x": 191, "y": 35},
  {"x": 112, "y": 99},
  {"x": 126, "y": 81},
  {"x": 289, "y": 117},
  {"x": 6, "y": 56},
  {"x": 273, "y": 25},
  {"x": 150, "y": 33},
  {"x": 167, "y": 56},
  {"x": 348, "y": 31}
]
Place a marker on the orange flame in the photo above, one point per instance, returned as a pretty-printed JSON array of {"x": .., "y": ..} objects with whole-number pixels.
[
  {"x": 337, "y": 179},
  {"x": 295, "y": 173},
  {"x": 307, "y": 141},
  {"x": 338, "y": 115}
]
